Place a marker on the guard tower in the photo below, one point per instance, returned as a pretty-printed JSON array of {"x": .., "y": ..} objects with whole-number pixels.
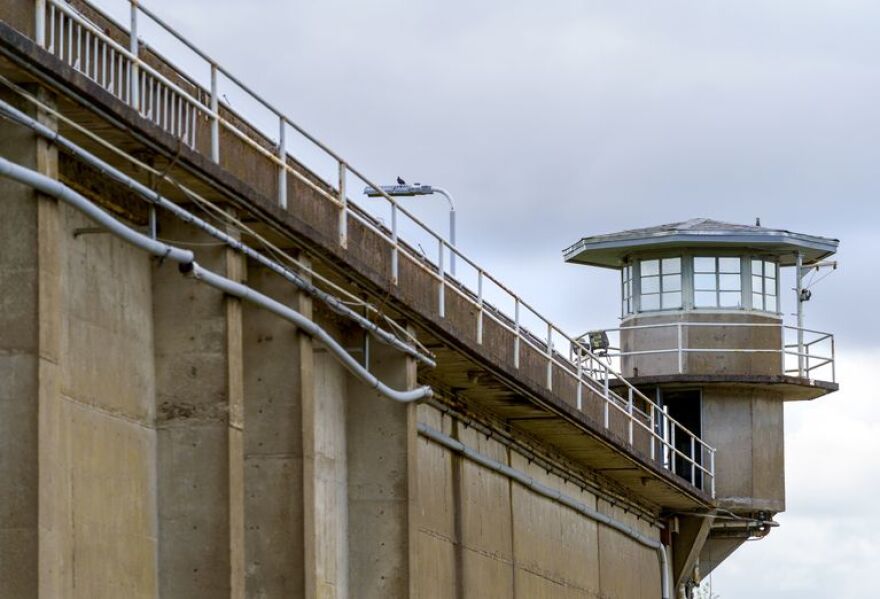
[{"x": 702, "y": 330}]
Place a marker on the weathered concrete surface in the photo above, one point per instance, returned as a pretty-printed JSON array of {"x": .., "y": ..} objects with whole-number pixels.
[
  {"x": 687, "y": 545},
  {"x": 105, "y": 454},
  {"x": 325, "y": 473},
  {"x": 703, "y": 337},
  {"x": 748, "y": 424},
  {"x": 28, "y": 231},
  {"x": 274, "y": 378},
  {"x": 208, "y": 449},
  {"x": 380, "y": 438},
  {"x": 77, "y": 391},
  {"x": 197, "y": 397},
  {"x": 480, "y": 535}
]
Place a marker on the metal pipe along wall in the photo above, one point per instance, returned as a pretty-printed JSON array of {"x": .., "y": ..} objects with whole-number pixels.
[
  {"x": 551, "y": 493},
  {"x": 186, "y": 259},
  {"x": 154, "y": 197}
]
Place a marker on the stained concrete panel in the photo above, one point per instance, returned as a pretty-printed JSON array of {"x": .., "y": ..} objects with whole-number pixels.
[
  {"x": 759, "y": 337},
  {"x": 380, "y": 440},
  {"x": 106, "y": 338},
  {"x": 747, "y": 427},
  {"x": 435, "y": 558},
  {"x": 24, "y": 379},
  {"x": 628, "y": 570},
  {"x": 516, "y": 543},
  {"x": 486, "y": 525},
  {"x": 328, "y": 476},
  {"x": 553, "y": 542},
  {"x": 193, "y": 442},
  {"x": 437, "y": 539},
  {"x": 104, "y": 452},
  {"x": 768, "y": 452},
  {"x": 112, "y": 498},
  {"x": 273, "y": 445}
]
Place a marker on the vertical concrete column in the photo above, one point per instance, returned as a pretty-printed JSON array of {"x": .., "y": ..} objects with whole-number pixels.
[
  {"x": 382, "y": 439},
  {"x": 199, "y": 425},
  {"x": 235, "y": 270},
  {"x": 29, "y": 354},
  {"x": 274, "y": 388},
  {"x": 325, "y": 467}
]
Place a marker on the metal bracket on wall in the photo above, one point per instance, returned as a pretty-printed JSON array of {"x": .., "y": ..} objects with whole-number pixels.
[{"x": 88, "y": 231}]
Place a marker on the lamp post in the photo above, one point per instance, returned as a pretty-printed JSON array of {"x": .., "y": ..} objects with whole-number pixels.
[{"x": 422, "y": 190}]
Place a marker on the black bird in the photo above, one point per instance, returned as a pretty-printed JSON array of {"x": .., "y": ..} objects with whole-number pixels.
[{"x": 400, "y": 181}]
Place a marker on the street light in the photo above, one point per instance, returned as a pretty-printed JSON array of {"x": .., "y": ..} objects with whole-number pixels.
[{"x": 404, "y": 190}]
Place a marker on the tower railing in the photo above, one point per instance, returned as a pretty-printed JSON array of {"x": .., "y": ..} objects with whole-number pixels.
[
  {"x": 816, "y": 361},
  {"x": 182, "y": 107}
]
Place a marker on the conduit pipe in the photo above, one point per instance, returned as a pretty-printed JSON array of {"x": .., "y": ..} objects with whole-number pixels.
[
  {"x": 551, "y": 493},
  {"x": 244, "y": 292},
  {"x": 186, "y": 260},
  {"x": 152, "y": 196}
]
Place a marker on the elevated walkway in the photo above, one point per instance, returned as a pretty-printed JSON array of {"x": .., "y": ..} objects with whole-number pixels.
[{"x": 493, "y": 350}]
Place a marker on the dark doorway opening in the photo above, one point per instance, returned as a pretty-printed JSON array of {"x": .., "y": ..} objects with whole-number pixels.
[{"x": 684, "y": 406}]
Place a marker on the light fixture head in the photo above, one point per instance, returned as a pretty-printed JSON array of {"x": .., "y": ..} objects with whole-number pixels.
[{"x": 399, "y": 190}]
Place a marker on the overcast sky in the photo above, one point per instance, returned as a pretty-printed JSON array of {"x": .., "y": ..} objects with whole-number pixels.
[{"x": 553, "y": 120}]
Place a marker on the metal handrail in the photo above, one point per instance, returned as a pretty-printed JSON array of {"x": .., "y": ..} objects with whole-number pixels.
[
  {"x": 812, "y": 362},
  {"x": 137, "y": 83}
]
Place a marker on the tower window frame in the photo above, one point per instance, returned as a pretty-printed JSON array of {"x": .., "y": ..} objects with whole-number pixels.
[
  {"x": 660, "y": 285},
  {"x": 764, "y": 285},
  {"x": 627, "y": 280},
  {"x": 717, "y": 282}
]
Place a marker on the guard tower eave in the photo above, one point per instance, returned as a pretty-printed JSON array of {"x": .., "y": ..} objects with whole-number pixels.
[{"x": 611, "y": 250}]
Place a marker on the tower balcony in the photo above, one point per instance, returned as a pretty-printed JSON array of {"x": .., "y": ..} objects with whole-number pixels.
[{"x": 735, "y": 347}]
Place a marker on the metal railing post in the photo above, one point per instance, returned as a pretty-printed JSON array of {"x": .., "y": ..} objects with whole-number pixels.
[
  {"x": 807, "y": 359},
  {"x": 833, "y": 363},
  {"x": 479, "y": 306},
  {"x": 607, "y": 399},
  {"x": 343, "y": 208},
  {"x": 50, "y": 41},
  {"x": 653, "y": 432},
  {"x": 629, "y": 409},
  {"x": 549, "y": 356},
  {"x": 215, "y": 116},
  {"x": 133, "y": 79},
  {"x": 282, "y": 168},
  {"x": 672, "y": 455},
  {"x": 712, "y": 466},
  {"x": 452, "y": 242},
  {"x": 40, "y": 23},
  {"x": 693, "y": 461},
  {"x": 799, "y": 266},
  {"x": 580, "y": 374},
  {"x": 441, "y": 270},
  {"x": 394, "y": 247},
  {"x": 680, "y": 351},
  {"x": 516, "y": 332},
  {"x": 77, "y": 64}
]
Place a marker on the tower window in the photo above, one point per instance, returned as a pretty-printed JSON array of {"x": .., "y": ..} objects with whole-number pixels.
[
  {"x": 717, "y": 282},
  {"x": 660, "y": 284},
  {"x": 764, "y": 296},
  {"x": 627, "y": 282}
]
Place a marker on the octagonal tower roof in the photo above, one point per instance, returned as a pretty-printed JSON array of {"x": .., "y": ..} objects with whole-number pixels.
[{"x": 610, "y": 250}]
